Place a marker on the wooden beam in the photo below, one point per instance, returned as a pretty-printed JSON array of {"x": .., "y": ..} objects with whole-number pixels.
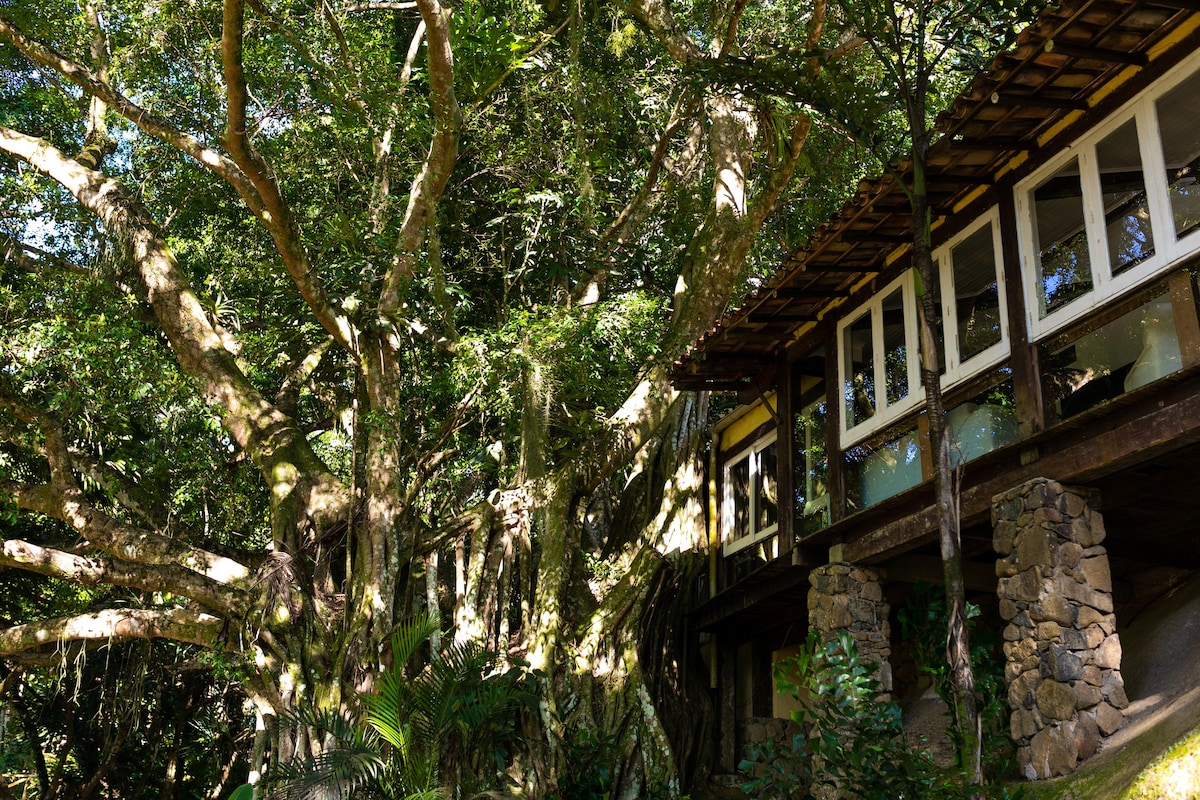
[
  {"x": 816, "y": 295},
  {"x": 912, "y": 567},
  {"x": 782, "y": 315},
  {"x": 873, "y": 237},
  {"x": 1011, "y": 100},
  {"x": 994, "y": 144},
  {"x": 1096, "y": 53}
]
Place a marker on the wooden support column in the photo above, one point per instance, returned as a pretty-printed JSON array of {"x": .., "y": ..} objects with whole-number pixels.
[
  {"x": 1187, "y": 326},
  {"x": 786, "y": 449},
  {"x": 836, "y": 468},
  {"x": 727, "y": 755}
]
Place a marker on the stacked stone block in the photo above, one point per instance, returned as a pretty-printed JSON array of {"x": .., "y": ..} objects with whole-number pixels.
[
  {"x": 1061, "y": 646},
  {"x": 850, "y": 597}
]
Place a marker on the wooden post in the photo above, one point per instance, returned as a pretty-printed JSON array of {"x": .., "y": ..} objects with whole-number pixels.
[
  {"x": 785, "y": 447},
  {"x": 1187, "y": 326},
  {"x": 836, "y": 472}
]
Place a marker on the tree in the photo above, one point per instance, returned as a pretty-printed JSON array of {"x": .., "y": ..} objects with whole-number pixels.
[{"x": 303, "y": 301}]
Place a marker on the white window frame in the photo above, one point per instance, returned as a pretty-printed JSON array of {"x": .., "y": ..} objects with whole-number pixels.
[
  {"x": 956, "y": 369},
  {"x": 1167, "y": 249},
  {"x": 884, "y": 412},
  {"x": 750, "y": 452}
]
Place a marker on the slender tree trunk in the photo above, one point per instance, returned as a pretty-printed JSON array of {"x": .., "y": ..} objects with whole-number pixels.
[{"x": 958, "y": 644}]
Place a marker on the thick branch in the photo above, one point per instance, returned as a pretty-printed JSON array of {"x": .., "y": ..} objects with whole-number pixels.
[
  {"x": 120, "y": 487},
  {"x": 276, "y": 215},
  {"x": 113, "y": 536},
  {"x": 157, "y": 127},
  {"x": 427, "y": 187},
  {"x": 656, "y": 15},
  {"x": 274, "y": 442},
  {"x": 178, "y": 624},
  {"x": 91, "y": 570}
]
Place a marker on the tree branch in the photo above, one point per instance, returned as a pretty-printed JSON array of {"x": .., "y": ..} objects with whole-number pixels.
[
  {"x": 91, "y": 570},
  {"x": 427, "y": 187},
  {"x": 274, "y": 442},
  {"x": 120, "y": 487},
  {"x": 275, "y": 214},
  {"x": 157, "y": 127},
  {"x": 656, "y": 15},
  {"x": 115, "y": 624},
  {"x": 126, "y": 541}
]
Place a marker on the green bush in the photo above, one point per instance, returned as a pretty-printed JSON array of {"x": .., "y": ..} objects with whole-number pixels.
[{"x": 851, "y": 741}]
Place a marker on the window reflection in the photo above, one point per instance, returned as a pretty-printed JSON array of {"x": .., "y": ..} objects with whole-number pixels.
[
  {"x": 859, "y": 391},
  {"x": 1060, "y": 240},
  {"x": 1178, "y": 112},
  {"x": 810, "y": 464},
  {"x": 1126, "y": 354},
  {"x": 976, "y": 293},
  {"x": 895, "y": 350},
  {"x": 876, "y": 473},
  {"x": 1126, "y": 214}
]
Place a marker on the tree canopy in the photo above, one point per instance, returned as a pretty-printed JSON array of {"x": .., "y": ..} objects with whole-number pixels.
[{"x": 320, "y": 314}]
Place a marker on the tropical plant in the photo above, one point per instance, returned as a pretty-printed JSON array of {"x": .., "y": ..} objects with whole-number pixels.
[
  {"x": 441, "y": 732},
  {"x": 850, "y": 741}
]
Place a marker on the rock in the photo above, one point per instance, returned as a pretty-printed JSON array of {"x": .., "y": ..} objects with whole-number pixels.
[
  {"x": 1086, "y": 695},
  {"x": 1096, "y": 574},
  {"x": 1065, "y": 666},
  {"x": 1108, "y": 719},
  {"x": 1022, "y": 725},
  {"x": 1055, "y": 700},
  {"x": 1047, "y": 631},
  {"x": 1054, "y": 751},
  {"x": 1087, "y": 736},
  {"x": 1108, "y": 654},
  {"x": 1004, "y": 532},
  {"x": 1053, "y": 608},
  {"x": 1069, "y": 554}
]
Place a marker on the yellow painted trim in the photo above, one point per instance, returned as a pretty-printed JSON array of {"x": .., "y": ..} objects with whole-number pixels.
[
  {"x": 748, "y": 423},
  {"x": 971, "y": 197}
]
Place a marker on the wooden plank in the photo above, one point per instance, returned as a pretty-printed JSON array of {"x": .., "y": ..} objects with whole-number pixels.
[
  {"x": 835, "y": 473},
  {"x": 727, "y": 704},
  {"x": 1106, "y": 54}
]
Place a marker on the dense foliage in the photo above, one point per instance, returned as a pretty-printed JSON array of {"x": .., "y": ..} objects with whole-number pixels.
[{"x": 317, "y": 314}]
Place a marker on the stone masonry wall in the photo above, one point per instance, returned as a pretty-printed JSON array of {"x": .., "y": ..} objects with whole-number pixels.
[
  {"x": 1061, "y": 646},
  {"x": 850, "y": 596}
]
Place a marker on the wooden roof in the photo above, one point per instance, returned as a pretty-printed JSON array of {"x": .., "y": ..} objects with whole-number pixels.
[{"x": 1063, "y": 64}]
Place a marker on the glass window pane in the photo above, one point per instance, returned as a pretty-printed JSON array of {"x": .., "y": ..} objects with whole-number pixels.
[
  {"x": 877, "y": 473},
  {"x": 1126, "y": 214},
  {"x": 976, "y": 293},
  {"x": 895, "y": 350},
  {"x": 811, "y": 469},
  {"x": 984, "y": 423},
  {"x": 739, "y": 498},
  {"x": 1178, "y": 112},
  {"x": 1064, "y": 269},
  {"x": 859, "y": 369},
  {"x": 1126, "y": 354},
  {"x": 768, "y": 487}
]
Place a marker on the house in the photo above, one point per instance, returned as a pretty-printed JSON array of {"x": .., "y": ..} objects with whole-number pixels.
[{"x": 1067, "y": 237}]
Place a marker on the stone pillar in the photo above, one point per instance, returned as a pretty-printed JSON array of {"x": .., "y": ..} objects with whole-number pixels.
[
  {"x": 849, "y": 596},
  {"x": 1063, "y": 655}
]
